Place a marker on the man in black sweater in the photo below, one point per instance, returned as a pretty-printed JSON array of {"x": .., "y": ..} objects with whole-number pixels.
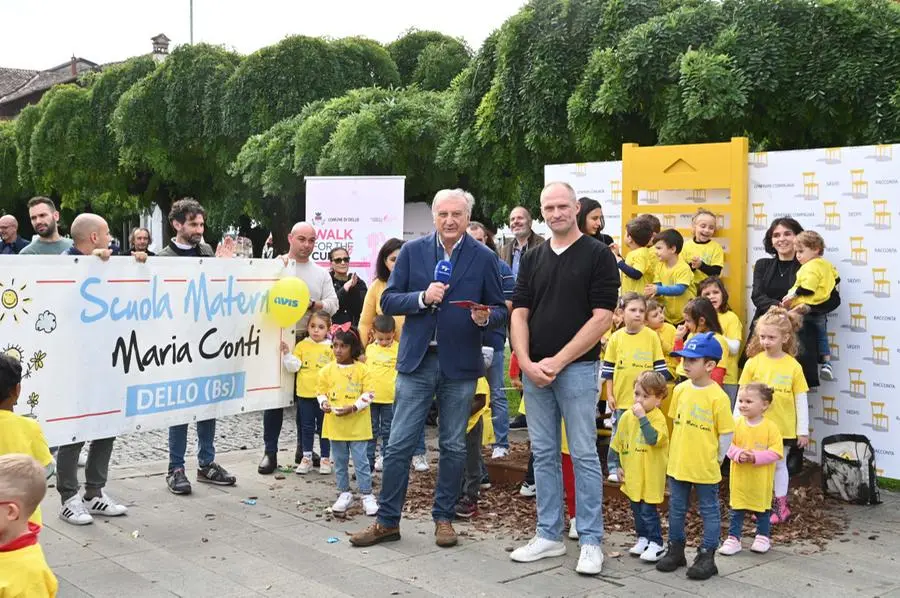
[{"x": 565, "y": 293}]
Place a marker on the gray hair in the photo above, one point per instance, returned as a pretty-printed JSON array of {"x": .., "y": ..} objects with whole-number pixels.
[
  {"x": 448, "y": 193},
  {"x": 571, "y": 191}
]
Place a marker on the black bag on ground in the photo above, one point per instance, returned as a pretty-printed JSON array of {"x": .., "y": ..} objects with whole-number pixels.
[{"x": 848, "y": 469}]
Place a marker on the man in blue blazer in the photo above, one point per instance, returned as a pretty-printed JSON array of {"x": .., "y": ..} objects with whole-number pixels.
[{"x": 439, "y": 356}]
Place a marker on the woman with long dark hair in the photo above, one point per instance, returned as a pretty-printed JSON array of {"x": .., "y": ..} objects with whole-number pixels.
[
  {"x": 350, "y": 290},
  {"x": 591, "y": 220},
  {"x": 384, "y": 265}
]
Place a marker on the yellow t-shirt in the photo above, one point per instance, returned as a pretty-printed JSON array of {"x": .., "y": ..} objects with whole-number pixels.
[
  {"x": 639, "y": 259},
  {"x": 731, "y": 329},
  {"x": 723, "y": 363},
  {"x": 313, "y": 357},
  {"x": 666, "y": 334},
  {"x": 20, "y": 434},
  {"x": 626, "y": 356},
  {"x": 710, "y": 253},
  {"x": 785, "y": 376},
  {"x": 644, "y": 464},
  {"x": 481, "y": 388},
  {"x": 751, "y": 485},
  {"x": 24, "y": 573},
  {"x": 817, "y": 275},
  {"x": 342, "y": 385},
  {"x": 700, "y": 416},
  {"x": 680, "y": 273},
  {"x": 382, "y": 363},
  {"x": 564, "y": 441}
]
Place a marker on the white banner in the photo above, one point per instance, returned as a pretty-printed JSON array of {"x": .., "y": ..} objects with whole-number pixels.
[
  {"x": 115, "y": 347},
  {"x": 357, "y": 213}
]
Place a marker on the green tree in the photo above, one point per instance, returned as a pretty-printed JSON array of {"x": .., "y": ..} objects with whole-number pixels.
[
  {"x": 11, "y": 191},
  {"x": 407, "y": 50},
  {"x": 365, "y": 62},
  {"x": 25, "y": 125},
  {"x": 439, "y": 63}
]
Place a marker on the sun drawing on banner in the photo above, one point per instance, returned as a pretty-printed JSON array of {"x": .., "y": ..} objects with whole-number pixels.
[{"x": 13, "y": 300}]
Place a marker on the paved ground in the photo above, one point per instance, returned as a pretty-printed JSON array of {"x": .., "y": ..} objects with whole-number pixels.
[{"x": 212, "y": 544}]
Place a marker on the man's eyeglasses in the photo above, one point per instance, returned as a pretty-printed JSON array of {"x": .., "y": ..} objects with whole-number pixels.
[{"x": 341, "y": 260}]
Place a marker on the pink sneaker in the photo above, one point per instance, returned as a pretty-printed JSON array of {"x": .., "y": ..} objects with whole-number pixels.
[
  {"x": 761, "y": 544},
  {"x": 731, "y": 546},
  {"x": 780, "y": 511}
]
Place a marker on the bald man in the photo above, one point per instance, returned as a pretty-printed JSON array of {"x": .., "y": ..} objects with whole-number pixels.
[
  {"x": 297, "y": 262},
  {"x": 10, "y": 241}
]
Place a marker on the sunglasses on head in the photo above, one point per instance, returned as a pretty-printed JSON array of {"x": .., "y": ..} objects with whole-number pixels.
[{"x": 341, "y": 260}]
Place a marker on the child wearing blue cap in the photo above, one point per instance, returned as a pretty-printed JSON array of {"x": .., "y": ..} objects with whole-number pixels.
[{"x": 702, "y": 432}]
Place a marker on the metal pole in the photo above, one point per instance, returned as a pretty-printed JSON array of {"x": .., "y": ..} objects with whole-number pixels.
[{"x": 192, "y": 22}]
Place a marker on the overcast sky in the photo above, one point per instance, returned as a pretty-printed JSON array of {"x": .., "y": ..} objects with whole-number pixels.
[{"x": 38, "y": 34}]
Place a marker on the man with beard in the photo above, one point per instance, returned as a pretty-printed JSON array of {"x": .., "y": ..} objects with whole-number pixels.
[
  {"x": 139, "y": 242},
  {"x": 188, "y": 219},
  {"x": 10, "y": 241},
  {"x": 44, "y": 219}
]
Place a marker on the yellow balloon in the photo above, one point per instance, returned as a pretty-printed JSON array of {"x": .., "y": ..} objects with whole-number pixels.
[{"x": 288, "y": 301}]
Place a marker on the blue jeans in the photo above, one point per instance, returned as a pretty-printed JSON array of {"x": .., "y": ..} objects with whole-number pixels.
[
  {"x": 343, "y": 450},
  {"x": 821, "y": 324},
  {"x": 412, "y": 400},
  {"x": 206, "y": 438},
  {"x": 273, "y": 419},
  {"x": 763, "y": 525},
  {"x": 499, "y": 406},
  {"x": 708, "y": 497},
  {"x": 612, "y": 457},
  {"x": 382, "y": 416},
  {"x": 572, "y": 396},
  {"x": 311, "y": 418},
  {"x": 420, "y": 443},
  {"x": 646, "y": 521}
]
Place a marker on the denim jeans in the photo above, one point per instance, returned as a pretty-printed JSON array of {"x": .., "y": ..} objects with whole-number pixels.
[
  {"x": 763, "y": 525},
  {"x": 382, "y": 416},
  {"x": 206, "y": 438},
  {"x": 311, "y": 419},
  {"x": 708, "y": 497},
  {"x": 612, "y": 457},
  {"x": 499, "y": 407},
  {"x": 420, "y": 443},
  {"x": 411, "y": 403},
  {"x": 646, "y": 521},
  {"x": 342, "y": 450},
  {"x": 573, "y": 396},
  {"x": 273, "y": 419},
  {"x": 821, "y": 324},
  {"x": 471, "y": 480}
]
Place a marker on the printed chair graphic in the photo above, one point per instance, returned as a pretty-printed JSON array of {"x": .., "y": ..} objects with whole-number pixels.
[
  {"x": 859, "y": 255},
  {"x": 668, "y": 221},
  {"x": 881, "y": 354},
  {"x": 881, "y": 285},
  {"x": 830, "y": 413},
  {"x": 649, "y": 197},
  {"x": 832, "y": 216},
  {"x": 832, "y": 156},
  {"x": 759, "y": 159},
  {"x": 883, "y": 153},
  {"x": 859, "y": 188},
  {"x": 858, "y": 320},
  {"x": 615, "y": 192},
  {"x": 880, "y": 419},
  {"x": 812, "y": 449},
  {"x": 810, "y": 187},
  {"x": 697, "y": 196},
  {"x": 882, "y": 214},
  {"x": 760, "y": 218},
  {"x": 857, "y": 384},
  {"x": 834, "y": 347}
]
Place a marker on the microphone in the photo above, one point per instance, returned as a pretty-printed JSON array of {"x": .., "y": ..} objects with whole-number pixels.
[{"x": 442, "y": 272}]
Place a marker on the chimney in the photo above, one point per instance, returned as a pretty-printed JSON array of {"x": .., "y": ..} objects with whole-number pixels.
[{"x": 74, "y": 66}]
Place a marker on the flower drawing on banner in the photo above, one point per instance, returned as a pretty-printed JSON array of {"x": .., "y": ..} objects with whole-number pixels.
[
  {"x": 32, "y": 365},
  {"x": 13, "y": 300},
  {"x": 33, "y": 400},
  {"x": 37, "y": 360}
]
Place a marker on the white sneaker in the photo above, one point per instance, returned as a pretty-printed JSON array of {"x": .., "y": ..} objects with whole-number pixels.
[
  {"x": 653, "y": 553},
  {"x": 527, "y": 489},
  {"x": 573, "y": 531},
  {"x": 343, "y": 502},
  {"x": 537, "y": 548},
  {"x": 325, "y": 466},
  {"x": 82, "y": 456},
  {"x": 370, "y": 505},
  {"x": 591, "y": 560},
  {"x": 639, "y": 548},
  {"x": 304, "y": 467},
  {"x": 73, "y": 511},
  {"x": 379, "y": 463},
  {"x": 613, "y": 477},
  {"x": 105, "y": 505},
  {"x": 499, "y": 452},
  {"x": 420, "y": 463}
]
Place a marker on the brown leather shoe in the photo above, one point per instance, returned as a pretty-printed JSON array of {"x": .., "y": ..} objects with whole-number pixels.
[
  {"x": 444, "y": 534},
  {"x": 375, "y": 534}
]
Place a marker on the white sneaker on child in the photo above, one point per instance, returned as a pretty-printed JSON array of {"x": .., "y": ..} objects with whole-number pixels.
[
  {"x": 420, "y": 463},
  {"x": 342, "y": 503},
  {"x": 730, "y": 546},
  {"x": 573, "y": 531},
  {"x": 653, "y": 553},
  {"x": 499, "y": 452},
  {"x": 370, "y": 505},
  {"x": 639, "y": 548},
  {"x": 325, "y": 466},
  {"x": 75, "y": 512},
  {"x": 761, "y": 544},
  {"x": 105, "y": 505},
  {"x": 305, "y": 466},
  {"x": 613, "y": 477},
  {"x": 528, "y": 490},
  {"x": 379, "y": 463}
]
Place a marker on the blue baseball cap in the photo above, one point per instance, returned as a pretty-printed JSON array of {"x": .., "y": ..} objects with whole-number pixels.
[{"x": 702, "y": 346}]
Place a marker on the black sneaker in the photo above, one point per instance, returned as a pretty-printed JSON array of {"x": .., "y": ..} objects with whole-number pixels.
[
  {"x": 674, "y": 558},
  {"x": 215, "y": 474},
  {"x": 704, "y": 565},
  {"x": 466, "y": 508},
  {"x": 518, "y": 422},
  {"x": 177, "y": 482},
  {"x": 485, "y": 482},
  {"x": 317, "y": 460}
]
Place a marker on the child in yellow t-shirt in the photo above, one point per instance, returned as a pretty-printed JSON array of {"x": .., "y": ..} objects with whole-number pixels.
[
  {"x": 467, "y": 506},
  {"x": 344, "y": 392},
  {"x": 771, "y": 362},
  {"x": 656, "y": 321},
  {"x": 20, "y": 434},
  {"x": 632, "y": 349},
  {"x": 700, "y": 316},
  {"x": 704, "y": 256},
  {"x": 753, "y": 453},
  {"x": 310, "y": 355},
  {"x": 714, "y": 289},
  {"x": 638, "y": 266},
  {"x": 816, "y": 281},
  {"x": 381, "y": 358},
  {"x": 673, "y": 278},
  {"x": 642, "y": 446},
  {"x": 23, "y": 567},
  {"x": 701, "y": 436}
]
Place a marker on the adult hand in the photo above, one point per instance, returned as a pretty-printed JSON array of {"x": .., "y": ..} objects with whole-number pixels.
[
  {"x": 434, "y": 294},
  {"x": 481, "y": 316},
  {"x": 140, "y": 257},
  {"x": 351, "y": 283},
  {"x": 786, "y": 302},
  {"x": 103, "y": 254},
  {"x": 551, "y": 366},
  {"x": 803, "y": 441},
  {"x": 650, "y": 290},
  {"x": 284, "y": 348},
  {"x": 536, "y": 374},
  {"x": 638, "y": 410}
]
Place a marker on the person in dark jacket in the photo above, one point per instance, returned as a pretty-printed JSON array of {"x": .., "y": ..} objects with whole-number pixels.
[
  {"x": 350, "y": 290},
  {"x": 591, "y": 221},
  {"x": 10, "y": 241}
]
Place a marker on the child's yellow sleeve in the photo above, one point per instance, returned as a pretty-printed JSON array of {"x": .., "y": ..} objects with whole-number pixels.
[
  {"x": 724, "y": 418},
  {"x": 323, "y": 381}
]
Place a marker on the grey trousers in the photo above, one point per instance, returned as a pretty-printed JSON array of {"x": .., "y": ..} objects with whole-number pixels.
[
  {"x": 95, "y": 472},
  {"x": 471, "y": 482}
]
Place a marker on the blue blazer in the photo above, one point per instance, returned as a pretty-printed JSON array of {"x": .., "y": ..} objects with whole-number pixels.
[{"x": 475, "y": 277}]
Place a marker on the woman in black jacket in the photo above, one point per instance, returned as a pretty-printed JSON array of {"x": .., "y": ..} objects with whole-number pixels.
[
  {"x": 350, "y": 289},
  {"x": 774, "y": 276},
  {"x": 591, "y": 221}
]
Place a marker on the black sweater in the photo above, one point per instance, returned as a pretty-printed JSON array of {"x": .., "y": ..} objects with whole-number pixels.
[{"x": 561, "y": 292}]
